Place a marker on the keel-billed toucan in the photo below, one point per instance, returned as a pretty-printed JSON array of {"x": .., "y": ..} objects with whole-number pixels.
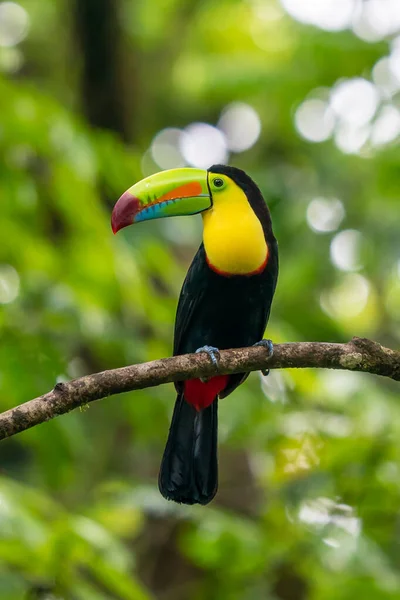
[{"x": 224, "y": 303}]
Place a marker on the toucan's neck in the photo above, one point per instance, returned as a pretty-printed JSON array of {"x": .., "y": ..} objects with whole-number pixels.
[{"x": 233, "y": 236}]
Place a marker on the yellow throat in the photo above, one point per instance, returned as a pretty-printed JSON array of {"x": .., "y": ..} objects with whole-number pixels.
[{"x": 233, "y": 235}]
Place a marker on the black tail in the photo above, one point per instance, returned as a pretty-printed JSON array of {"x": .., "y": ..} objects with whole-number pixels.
[{"x": 189, "y": 469}]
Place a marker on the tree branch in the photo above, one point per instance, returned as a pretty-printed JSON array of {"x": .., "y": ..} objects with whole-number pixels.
[{"x": 357, "y": 355}]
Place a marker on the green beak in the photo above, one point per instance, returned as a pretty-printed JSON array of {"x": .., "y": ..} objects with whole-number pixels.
[{"x": 172, "y": 193}]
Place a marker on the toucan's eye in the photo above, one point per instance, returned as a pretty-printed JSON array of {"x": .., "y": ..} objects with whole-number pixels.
[{"x": 218, "y": 182}]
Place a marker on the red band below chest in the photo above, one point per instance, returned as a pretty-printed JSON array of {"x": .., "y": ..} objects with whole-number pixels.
[{"x": 227, "y": 274}]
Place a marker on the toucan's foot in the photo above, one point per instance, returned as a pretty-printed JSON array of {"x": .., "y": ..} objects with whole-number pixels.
[
  {"x": 270, "y": 347},
  {"x": 212, "y": 352}
]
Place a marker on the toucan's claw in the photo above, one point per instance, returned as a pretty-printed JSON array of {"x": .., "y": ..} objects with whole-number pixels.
[
  {"x": 270, "y": 347},
  {"x": 213, "y": 353}
]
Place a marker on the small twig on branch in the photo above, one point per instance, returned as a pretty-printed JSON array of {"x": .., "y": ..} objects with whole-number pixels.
[{"x": 357, "y": 355}]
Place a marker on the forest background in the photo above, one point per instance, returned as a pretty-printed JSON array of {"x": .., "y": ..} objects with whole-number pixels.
[{"x": 304, "y": 96}]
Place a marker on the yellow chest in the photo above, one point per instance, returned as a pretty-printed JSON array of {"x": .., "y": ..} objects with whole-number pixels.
[{"x": 233, "y": 237}]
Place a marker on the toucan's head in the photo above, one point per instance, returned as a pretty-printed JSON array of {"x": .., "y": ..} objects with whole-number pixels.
[
  {"x": 185, "y": 191},
  {"x": 175, "y": 192}
]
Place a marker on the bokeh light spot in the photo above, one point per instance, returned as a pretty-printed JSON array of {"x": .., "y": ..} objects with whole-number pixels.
[
  {"x": 378, "y": 19},
  {"x": 324, "y": 214},
  {"x": 347, "y": 299},
  {"x": 386, "y": 127},
  {"x": 9, "y": 284},
  {"x": 363, "y": 26},
  {"x": 355, "y": 101},
  {"x": 147, "y": 164},
  {"x": 14, "y": 23},
  {"x": 394, "y": 61},
  {"x": 266, "y": 12},
  {"x": 11, "y": 60},
  {"x": 274, "y": 387},
  {"x": 346, "y": 249},
  {"x": 323, "y": 512},
  {"x": 350, "y": 139},
  {"x": 384, "y": 76},
  {"x": 340, "y": 386},
  {"x": 331, "y": 15},
  {"x": 314, "y": 120},
  {"x": 203, "y": 145},
  {"x": 165, "y": 148},
  {"x": 241, "y": 125}
]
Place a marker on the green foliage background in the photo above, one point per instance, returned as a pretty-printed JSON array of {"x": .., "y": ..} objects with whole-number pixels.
[{"x": 308, "y": 506}]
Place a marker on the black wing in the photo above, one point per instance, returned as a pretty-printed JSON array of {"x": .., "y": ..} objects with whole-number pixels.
[{"x": 192, "y": 294}]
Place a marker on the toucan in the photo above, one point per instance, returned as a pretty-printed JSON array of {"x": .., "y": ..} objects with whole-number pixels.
[{"x": 225, "y": 302}]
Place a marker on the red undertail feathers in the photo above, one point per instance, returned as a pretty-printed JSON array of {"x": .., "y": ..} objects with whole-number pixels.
[{"x": 200, "y": 395}]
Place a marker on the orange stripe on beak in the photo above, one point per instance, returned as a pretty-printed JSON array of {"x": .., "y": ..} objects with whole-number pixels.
[{"x": 184, "y": 191}]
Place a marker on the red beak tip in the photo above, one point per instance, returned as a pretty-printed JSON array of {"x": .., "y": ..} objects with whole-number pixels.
[
  {"x": 114, "y": 226},
  {"x": 124, "y": 212}
]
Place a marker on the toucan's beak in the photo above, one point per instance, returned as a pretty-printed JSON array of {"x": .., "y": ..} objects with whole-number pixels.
[{"x": 176, "y": 192}]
